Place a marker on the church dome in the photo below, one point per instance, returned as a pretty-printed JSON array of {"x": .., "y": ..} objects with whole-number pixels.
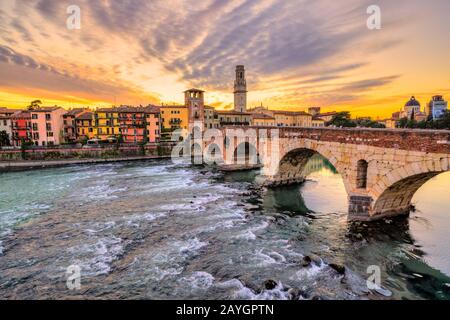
[{"x": 412, "y": 102}]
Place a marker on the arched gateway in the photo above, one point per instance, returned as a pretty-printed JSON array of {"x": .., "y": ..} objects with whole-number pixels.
[{"x": 381, "y": 168}]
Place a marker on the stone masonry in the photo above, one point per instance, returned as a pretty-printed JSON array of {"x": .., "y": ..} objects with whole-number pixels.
[{"x": 399, "y": 163}]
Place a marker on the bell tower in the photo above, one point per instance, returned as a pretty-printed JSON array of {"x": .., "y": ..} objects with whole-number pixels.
[
  {"x": 194, "y": 101},
  {"x": 240, "y": 90}
]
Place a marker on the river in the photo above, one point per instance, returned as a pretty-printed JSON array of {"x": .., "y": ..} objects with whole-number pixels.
[{"x": 158, "y": 230}]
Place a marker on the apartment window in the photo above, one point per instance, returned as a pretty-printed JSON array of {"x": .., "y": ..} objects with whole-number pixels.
[
  {"x": 48, "y": 116},
  {"x": 65, "y": 122},
  {"x": 48, "y": 126},
  {"x": 49, "y": 134},
  {"x": 91, "y": 130},
  {"x": 34, "y": 116},
  {"x": 35, "y": 127}
]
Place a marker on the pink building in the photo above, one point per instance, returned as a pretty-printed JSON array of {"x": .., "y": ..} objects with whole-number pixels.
[
  {"x": 47, "y": 126},
  {"x": 153, "y": 121}
]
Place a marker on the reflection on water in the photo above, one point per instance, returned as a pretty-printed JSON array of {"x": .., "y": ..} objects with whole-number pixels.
[{"x": 154, "y": 230}]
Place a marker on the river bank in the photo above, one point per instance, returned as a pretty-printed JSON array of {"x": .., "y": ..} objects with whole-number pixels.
[{"x": 14, "y": 166}]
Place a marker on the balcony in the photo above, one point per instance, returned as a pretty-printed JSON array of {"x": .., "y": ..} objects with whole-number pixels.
[{"x": 175, "y": 121}]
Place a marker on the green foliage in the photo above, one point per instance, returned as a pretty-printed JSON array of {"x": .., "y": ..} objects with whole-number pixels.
[
  {"x": 24, "y": 146},
  {"x": 343, "y": 120},
  {"x": 365, "y": 123},
  {"x": 36, "y": 104},
  {"x": 4, "y": 138},
  {"x": 443, "y": 123}
]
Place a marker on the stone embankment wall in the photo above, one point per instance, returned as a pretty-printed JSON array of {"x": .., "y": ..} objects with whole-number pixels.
[{"x": 61, "y": 153}]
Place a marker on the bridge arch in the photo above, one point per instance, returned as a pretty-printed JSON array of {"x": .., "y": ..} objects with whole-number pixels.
[
  {"x": 246, "y": 153},
  {"x": 394, "y": 191},
  {"x": 293, "y": 162}
]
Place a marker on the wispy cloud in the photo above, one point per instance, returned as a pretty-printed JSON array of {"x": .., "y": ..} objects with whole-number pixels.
[{"x": 296, "y": 52}]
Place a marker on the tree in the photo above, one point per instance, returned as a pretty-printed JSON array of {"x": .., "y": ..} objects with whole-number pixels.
[
  {"x": 4, "y": 138},
  {"x": 35, "y": 105},
  {"x": 403, "y": 122},
  {"x": 342, "y": 119}
]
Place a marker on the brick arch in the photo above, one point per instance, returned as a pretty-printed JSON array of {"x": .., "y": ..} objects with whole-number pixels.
[{"x": 393, "y": 192}]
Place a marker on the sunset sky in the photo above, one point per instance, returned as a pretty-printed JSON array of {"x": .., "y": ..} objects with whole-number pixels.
[{"x": 297, "y": 53}]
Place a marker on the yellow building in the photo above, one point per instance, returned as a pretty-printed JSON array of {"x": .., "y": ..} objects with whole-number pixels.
[
  {"x": 318, "y": 122},
  {"x": 260, "y": 119},
  {"x": 174, "y": 117},
  {"x": 293, "y": 119},
  {"x": 107, "y": 123},
  {"x": 84, "y": 124},
  {"x": 212, "y": 120}
]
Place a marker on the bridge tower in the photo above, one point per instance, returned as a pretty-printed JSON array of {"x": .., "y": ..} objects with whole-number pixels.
[
  {"x": 240, "y": 90},
  {"x": 195, "y": 102}
]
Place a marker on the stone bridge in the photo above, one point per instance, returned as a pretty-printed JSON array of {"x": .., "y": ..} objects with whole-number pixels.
[{"x": 381, "y": 168}]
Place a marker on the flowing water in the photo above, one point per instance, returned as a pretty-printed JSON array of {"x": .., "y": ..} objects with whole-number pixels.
[{"x": 156, "y": 230}]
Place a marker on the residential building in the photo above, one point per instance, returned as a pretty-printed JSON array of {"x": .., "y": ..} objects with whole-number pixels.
[
  {"x": 234, "y": 118},
  {"x": 84, "y": 124},
  {"x": 139, "y": 124},
  {"x": 21, "y": 128},
  {"x": 264, "y": 120},
  {"x": 326, "y": 116},
  {"x": 436, "y": 108},
  {"x": 47, "y": 126},
  {"x": 69, "y": 123},
  {"x": 132, "y": 125},
  {"x": 153, "y": 122},
  {"x": 211, "y": 118},
  {"x": 106, "y": 123},
  {"x": 390, "y": 123},
  {"x": 174, "y": 117},
  {"x": 293, "y": 119},
  {"x": 6, "y": 122},
  {"x": 317, "y": 122}
]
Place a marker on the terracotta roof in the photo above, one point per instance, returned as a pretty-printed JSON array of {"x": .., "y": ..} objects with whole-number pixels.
[
  {"x": 325, "y": 114},
  {"x": 74, "y": 112},
  {"x": 231, "y": 112},
  {"x": 21, "y": 114},
  {"x": 173, "y": 106},
  {"x": 46, "y": 109},
  {"x": 262, "y": 116},
  {"x": 8, "y": 111},
  {"x": 85, "y": 116},
  {"x": 291, "y": 113}
]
